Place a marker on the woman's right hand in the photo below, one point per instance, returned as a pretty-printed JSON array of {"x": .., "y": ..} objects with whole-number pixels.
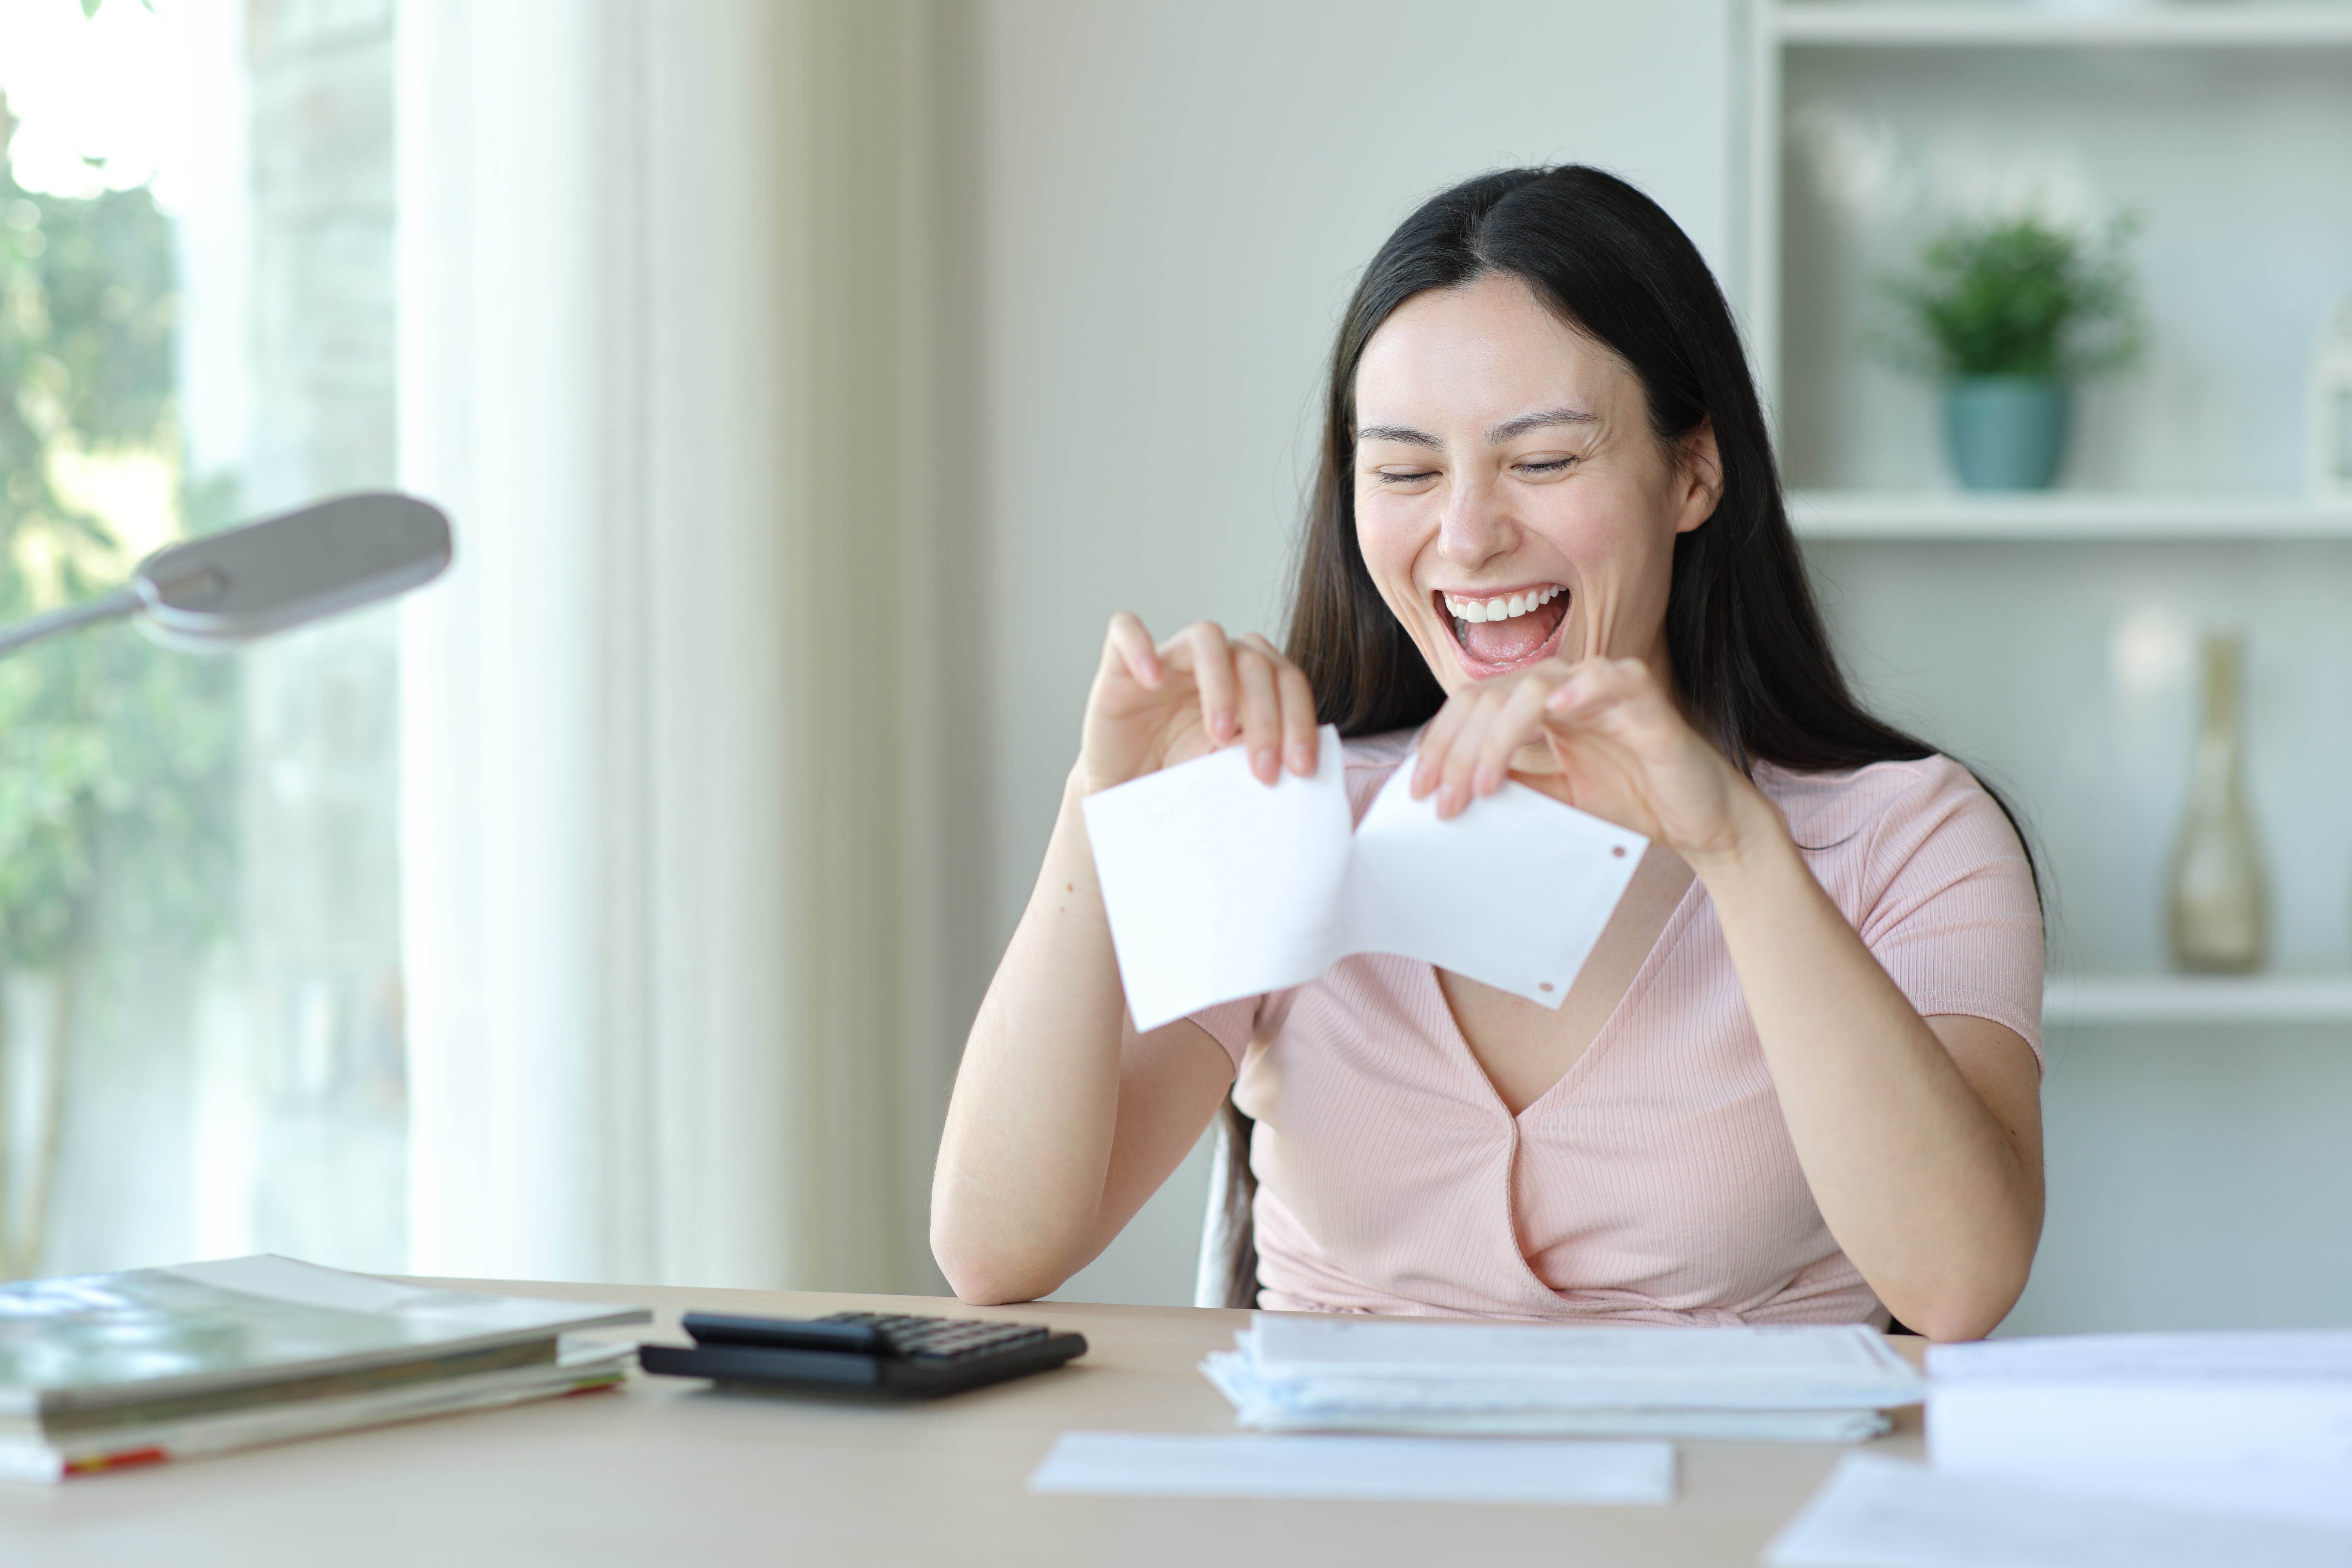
[{"x": 1155, "y": 705}]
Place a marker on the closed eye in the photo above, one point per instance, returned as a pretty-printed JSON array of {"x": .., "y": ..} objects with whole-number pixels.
[
  {"x": 1548, "y": 466},
  {"x": 1393, "y": 477}
]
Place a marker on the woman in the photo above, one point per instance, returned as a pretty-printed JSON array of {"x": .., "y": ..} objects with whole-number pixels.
[{"x": 1798, "y": 1079}]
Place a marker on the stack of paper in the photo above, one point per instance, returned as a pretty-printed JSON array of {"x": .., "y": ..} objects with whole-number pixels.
[
  {"x": 2150, "y": 1449},
  {"x": 1291, "y": 1374},
  {"x": 106, "y": 1370}
]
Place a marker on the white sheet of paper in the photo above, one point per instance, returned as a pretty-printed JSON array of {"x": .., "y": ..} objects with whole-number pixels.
[
  {"x": 1219, "y": 887},
  {"x": 1414, "y": 1469},
  {"x": 2272, "y": 1446},
  {"x": 2257, "y": 1352},
  {"x": 2252, "y": 1422},
  {"x": 1878, "y": 1513}
]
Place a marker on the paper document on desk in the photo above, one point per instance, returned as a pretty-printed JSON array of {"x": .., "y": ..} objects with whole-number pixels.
[
  {"x": 1396, "y": 1469},
  {"x": 2246, "y": 1353},
  {"x": 1875, "y": 1511},
  {"x": 1792, "y": 1384},
  {"x": 1219, "y": 887},
  {"x": 2246, "y": 1422}
]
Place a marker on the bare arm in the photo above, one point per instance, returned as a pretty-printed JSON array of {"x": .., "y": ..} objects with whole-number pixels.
[
  {"x": 1064, "y": 1118},
  {"x": 1920, "y": 1139}
]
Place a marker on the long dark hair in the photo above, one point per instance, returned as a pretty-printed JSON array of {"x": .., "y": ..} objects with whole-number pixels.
[{"x": 1752, "y": 661}]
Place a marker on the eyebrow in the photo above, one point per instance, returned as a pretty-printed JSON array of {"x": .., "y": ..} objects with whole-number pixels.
[
  {"x": 1405, "y": 433},
  {"x": 1507, "y": 430},
  {"x": 1527, "y": 422}
]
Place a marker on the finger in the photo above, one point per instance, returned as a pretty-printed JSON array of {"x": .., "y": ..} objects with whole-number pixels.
[
  {"x": 1261, "y": 714},
  {"x": 1618, "y": 696},
  {"x": 1591, "y": 684},
  {"x": 1453, "y": 792},
  {"x": 1438, "y": 739},
  {"x": 1202, "y": 648},
  {"x": 1131, "y": 644},
  {"x": 1300, "y": 735},
  {"x": 1297, "y": 700},
  {"x": 1518, "y": 720}
]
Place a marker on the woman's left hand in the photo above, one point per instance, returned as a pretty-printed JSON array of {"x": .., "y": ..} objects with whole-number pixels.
[{"x": 1623, "y": 747}]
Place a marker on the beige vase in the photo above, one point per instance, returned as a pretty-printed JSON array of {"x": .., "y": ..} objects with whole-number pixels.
[{"x": 2219, "y": 915}]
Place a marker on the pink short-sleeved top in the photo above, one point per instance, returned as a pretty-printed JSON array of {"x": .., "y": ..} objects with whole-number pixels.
[{"x": 1655, "y": 1181}]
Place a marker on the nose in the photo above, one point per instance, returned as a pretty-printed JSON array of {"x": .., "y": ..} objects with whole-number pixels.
[{"x": 1476, "y": 527}]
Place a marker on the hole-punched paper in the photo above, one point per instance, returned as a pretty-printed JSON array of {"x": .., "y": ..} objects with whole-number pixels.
[{"x": 1219, "y": 887}]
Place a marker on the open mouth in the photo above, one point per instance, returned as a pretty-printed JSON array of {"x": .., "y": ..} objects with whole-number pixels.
[{"x": 1498, "y": 632}]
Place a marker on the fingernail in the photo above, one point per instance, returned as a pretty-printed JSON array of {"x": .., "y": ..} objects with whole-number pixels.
[
  {"x": 1563, "y": 698},
  {"x": 1302, "y": 758},
  {"x": 1449, "y": 801},
  {"x": 1484, "y": 782},
  {"x": 1263, "y": 764},
  {"x": 1221, "y": 725}
]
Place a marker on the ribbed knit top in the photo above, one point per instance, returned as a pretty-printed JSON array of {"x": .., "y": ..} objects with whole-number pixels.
[{"x": 1655, "y": 1181}]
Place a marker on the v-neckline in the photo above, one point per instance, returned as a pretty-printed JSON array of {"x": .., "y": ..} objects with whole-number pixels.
[{"x": 1668, "y": 934}]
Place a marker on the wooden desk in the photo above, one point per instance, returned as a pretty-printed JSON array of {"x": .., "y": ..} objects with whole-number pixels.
[{"x": 665, "y": 1472}]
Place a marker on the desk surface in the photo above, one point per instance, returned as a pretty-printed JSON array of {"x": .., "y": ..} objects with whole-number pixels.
[{"x": 666, "y": 1471}]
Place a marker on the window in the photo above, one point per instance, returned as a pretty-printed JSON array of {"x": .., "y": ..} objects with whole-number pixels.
[{"x": 200, "y": 994}]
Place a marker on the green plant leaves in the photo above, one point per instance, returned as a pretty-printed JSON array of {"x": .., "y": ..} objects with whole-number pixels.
[
  {"x": 2018, "y": 298},
  {"x": 116, "y": 756}
]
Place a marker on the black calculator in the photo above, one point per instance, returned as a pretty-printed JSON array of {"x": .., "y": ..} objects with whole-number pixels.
[{"x": 871, "y": 1353}]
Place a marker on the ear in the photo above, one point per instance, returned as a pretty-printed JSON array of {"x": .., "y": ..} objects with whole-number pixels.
[{"x": 1701, "y": 478}]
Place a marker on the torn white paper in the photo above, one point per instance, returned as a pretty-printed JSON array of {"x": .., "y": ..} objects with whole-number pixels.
[
  {"x": 1219, "y": 887},
  {"x": 1877, "y": 1512},
  {"x": 1402, "y": 1470}
]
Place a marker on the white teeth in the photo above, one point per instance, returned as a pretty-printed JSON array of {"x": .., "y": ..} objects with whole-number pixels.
[{"x": 1501, "y": 609}]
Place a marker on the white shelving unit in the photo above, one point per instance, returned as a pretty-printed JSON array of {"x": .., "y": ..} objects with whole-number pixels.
[
  {"x": 2176, "y": 63},
  {"x": 2178, "y": 1000},
  {"x": 2143, "y": 26},
  {"x": 2196, "y": 1142},
  {"x": 2063, "y": 515},
  {"x": 2050, "y": 638}
]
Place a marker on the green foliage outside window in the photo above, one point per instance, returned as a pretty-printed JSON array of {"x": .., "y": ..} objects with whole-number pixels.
[{"x": 115, "y": 754}]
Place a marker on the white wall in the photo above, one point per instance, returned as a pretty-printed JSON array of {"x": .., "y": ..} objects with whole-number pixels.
[{"x": 1162, "y": 210}]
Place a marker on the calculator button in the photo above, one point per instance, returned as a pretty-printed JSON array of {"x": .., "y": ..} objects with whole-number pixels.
[{"x": 946, "y": 1341}]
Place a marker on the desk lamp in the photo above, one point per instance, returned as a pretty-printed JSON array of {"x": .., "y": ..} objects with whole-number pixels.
[{"x": 209, "y": 594}]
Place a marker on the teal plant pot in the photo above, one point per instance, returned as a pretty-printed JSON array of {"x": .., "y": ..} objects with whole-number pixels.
[{"x": 2006, "y": 432}]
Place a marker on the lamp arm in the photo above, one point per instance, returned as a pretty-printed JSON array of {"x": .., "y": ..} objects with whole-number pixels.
[{"x": 123, "y": 600}]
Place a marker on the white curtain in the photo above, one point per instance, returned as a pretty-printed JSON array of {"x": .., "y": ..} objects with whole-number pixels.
[{"x": 673, "y": 916}]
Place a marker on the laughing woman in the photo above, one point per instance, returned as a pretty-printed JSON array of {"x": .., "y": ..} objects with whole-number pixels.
[{"x": 1799, "y": 1079}]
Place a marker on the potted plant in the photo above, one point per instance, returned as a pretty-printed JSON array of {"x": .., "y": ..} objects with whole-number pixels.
[{"x": 2008, "y": 316}]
